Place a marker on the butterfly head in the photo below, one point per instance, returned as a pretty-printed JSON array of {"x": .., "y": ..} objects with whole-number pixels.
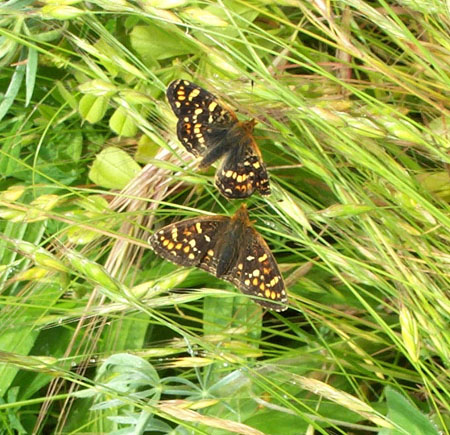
[
  {"x": 248, "y": 126},
  {"x": 241, "y": 215}
]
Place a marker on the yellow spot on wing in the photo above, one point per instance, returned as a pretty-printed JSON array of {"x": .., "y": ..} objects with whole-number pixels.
[
  {"x": 262, "y": 258},
  {"x": 194, "y": 94}
]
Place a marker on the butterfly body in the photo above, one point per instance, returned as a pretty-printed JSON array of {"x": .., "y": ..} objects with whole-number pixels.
[
  {"x": 228, "y": 248},
  {"x": 209, "y": 130}
]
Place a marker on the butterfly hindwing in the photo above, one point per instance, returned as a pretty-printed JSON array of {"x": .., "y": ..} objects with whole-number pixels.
[
  {"x": 198, "y": 112},
  {"x": 256, "y": 273},
  {"x": 187, "y": 242},
  {"x": 241, "y": 176}
]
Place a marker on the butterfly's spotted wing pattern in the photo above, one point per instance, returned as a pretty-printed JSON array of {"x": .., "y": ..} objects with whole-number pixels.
[
  {"x": 243, "y": 171},
  {"x": 197, "y": 111},
  {"x": 187, "y": 242},
  {"x": 208, "y": 129},
  {"x": 256, "y": 273},
  {"x": 228, "y": 248}
]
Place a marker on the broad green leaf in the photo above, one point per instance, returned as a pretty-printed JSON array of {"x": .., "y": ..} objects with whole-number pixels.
[
  {"x": 154, "y": 42},
  {"x": 93, "y": 108},
  {"x": 146, "y": 150},
  {"x": 403, "y": 413},
  {"x": 113, "y": 168},
  {"x": 122, "y": 123}
]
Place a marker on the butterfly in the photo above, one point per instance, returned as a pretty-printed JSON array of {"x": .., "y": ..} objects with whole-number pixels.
[
  {"x": 208, "y": 129},
  {"x": 228, "y": 248}
]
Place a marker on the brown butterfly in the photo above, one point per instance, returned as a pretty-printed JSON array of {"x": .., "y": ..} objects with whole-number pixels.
[
  {"x": 230, "y": 249},
  {"x": 207, "y": 129}
]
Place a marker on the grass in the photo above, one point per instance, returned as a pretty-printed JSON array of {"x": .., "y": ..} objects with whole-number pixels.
[{"x": 101, "y": 336}]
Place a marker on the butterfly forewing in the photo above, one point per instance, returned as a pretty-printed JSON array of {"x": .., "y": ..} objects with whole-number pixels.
[
  {"x": 256, "y": 273},
  {"x": 198, "y": 111},
  {"x": 187, "y": 242}
]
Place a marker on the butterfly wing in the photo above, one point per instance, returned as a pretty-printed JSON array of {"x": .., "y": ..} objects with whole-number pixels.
[
  {"x": 243, "y": 171},
  {"x": 256, "y": 273},
  {"x": 201, "y": 118},
  {"x": 188, "y": 242}
]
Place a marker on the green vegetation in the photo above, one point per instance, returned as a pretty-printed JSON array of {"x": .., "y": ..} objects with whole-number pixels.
[{"x": 101, "y": 336}]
